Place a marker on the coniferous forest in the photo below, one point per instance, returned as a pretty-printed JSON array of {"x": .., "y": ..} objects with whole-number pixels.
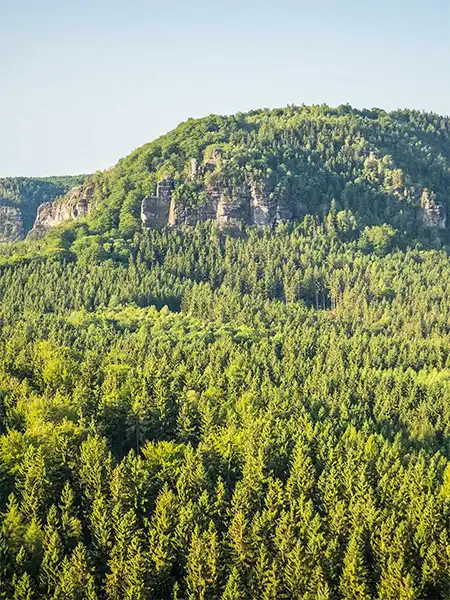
[{"x": 198, "y": 413}]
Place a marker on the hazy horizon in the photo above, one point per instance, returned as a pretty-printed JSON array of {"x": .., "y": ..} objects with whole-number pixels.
[{"x": 86, "y": 82}]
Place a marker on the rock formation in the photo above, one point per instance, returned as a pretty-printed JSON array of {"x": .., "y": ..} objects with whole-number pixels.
[
  {"x": 11, "y": 223},
  {"x": 433, "y": 215},
  {"x": 75, "y": 205},
  {"x": 206, "y": 194},
  {"x": 233, "y": 210},
  {"x": 262, "y": 208},
  {"x": 155, "y": 209},
  {"x": 190, "y": 215}
]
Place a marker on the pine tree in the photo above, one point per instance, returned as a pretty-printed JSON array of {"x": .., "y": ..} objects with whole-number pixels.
[
  {"x": 70, "y": 523},
  {"x": 116, "y": 584},
  {"x": 161, "y": 534},
  {"x": 23, "y": 589},
  {"x": 353, "y": 583},
  {"x": 52, "y": 556},
  {"x": 95, "y": 467},
  {"x": 395, "y": 584},
  {"x": 297, "y": 572},
  {"x": 5, "y": 564},
  {"x": 13, "y": 525},
  {"x": 34, "y": 483},
  {"x": 136, "y": 570},
  {"x": 234, "y": 588},
  {"x": 100, "y": 528},
  {"x": 203, "y": 565},
  {"x": 239, "y": 539},
  {"x": 76, "y": 581}
]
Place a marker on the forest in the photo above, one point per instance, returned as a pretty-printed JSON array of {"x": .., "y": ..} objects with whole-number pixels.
[{"x": 190, "y": 413}]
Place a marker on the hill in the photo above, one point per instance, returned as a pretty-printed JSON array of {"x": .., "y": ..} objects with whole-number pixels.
[
  {"x": 234, "y": 409},
  {"x": 269, "y": 166}
]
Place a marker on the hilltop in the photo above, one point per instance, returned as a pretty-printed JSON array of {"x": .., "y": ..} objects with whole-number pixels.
[{"x": 367, "y": 167}]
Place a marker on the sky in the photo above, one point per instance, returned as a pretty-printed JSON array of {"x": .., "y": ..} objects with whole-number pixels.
[{"x": 84, "y": 82}]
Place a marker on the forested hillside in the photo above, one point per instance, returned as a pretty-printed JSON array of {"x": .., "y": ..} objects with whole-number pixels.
[
  {"x": 195, "y": 412},
  {"x": 268, "y": 166}
]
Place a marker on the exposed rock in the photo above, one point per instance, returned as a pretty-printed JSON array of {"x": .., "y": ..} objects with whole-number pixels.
[
  {"x": 433, "y": 215},
  {"x": 190, "y": 215},
  {"x": 164, "y": 189},
  {"x": 77, "y": 204},
  {"x": 234, "y": 211},
  {"x": 212, "y": 202},
  {"x": 263, "y": 209},
  {"x": 193, "y": 168},
  {"x": 243, "y": 205},
  {"x": 155, "y": 210},
  {"x": 240, "y": 206},
  {"x": 11, "y": 224}
]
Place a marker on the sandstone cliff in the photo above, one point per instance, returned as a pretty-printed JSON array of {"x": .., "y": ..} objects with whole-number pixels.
[
  {"x": 433, "y": 215},
  {"x": 234, "y": 206},
  {"x": 155, "y": 210},
  {"x": 207, "y": 192},
  {"x": 77, "y": 204}
]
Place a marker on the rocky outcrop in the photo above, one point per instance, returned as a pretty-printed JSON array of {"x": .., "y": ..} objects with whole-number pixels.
[
  {"x": 162, "y": 209},
  {"x": 76, "y": 205},
  {"x": 190, "y": 215},
  {"x": 206, "y": 194},
  {"x": 155, "y": 209},
  {"x": 233, "y": 210},
  {"x": 262, "y": 208},
  {"x": 433, "y": 215},
  {"x": 204, "y": 210},
  {"x": 11, "y": 224}
]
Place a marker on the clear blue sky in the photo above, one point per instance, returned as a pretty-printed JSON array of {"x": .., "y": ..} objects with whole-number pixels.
[{"x": 84, "y": 82}]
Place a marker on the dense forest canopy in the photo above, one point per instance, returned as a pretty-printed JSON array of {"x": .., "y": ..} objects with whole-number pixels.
[{"x": 193, "y": 413}]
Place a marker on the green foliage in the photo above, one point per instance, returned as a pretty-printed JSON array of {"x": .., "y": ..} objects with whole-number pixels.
[{"x": 189, "y": 414}]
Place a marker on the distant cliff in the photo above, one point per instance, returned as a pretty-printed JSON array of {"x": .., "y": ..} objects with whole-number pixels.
[
  {"x": 255, "y": 201},
  {"x": 20, "y": 198},
  {"x": 77, "y": 204},
  {"x": 246, "y": 205}
]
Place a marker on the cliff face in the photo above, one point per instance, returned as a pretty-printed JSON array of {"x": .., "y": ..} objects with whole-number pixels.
[
  {"x": 244, "y": 204},
  {"x": 433, "y": 215},
  {"x": 233, "y": 210},
  {"x": 231, "y": 207},
  {"x": 210, "y": 190},
  {"x": 11, "y": 224},
  {"x": 20, "y": 198},
  {"x": 262, "y": 208},
  {"x": 155, "y": 210},
  {"x": 75, "y": 205}
]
